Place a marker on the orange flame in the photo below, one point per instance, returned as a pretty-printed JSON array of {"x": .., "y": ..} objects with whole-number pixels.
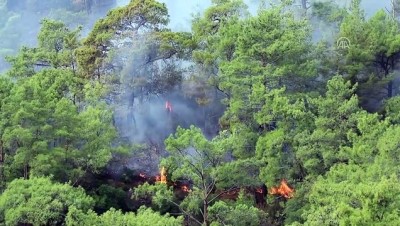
[
  {"x": 185, "y": 188},
  {"x": 162, "y": 178},
  {"x": 168, "y": 106},
  {"x": 233, "y": 192},
  {"x": 283, "y": 190}
]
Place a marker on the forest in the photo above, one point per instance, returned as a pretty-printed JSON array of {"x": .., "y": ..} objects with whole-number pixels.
[{"x": 288, "y": 114}]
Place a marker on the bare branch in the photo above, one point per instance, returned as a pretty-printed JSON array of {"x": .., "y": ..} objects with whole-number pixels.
[
  {"x": 221, "y": 220},
  {"x": 223, "y": 192},
  {"x": 210, "y": 188},
  {"x": 198, "y": 170},
  {"x": 183, "y": 211}
]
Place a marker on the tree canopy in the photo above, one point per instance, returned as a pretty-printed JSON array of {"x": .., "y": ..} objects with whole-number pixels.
[{"x": 268, "y": 119}]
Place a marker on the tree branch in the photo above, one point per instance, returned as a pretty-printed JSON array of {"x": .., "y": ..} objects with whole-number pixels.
[
  {"x": 181, "y": 152},
  {"x": 186, "y": 213},
  {"x": 212, "y": 184},
  {"x": 230, "y": 189}
]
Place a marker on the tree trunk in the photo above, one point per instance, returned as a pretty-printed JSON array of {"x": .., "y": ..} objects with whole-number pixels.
[
  {"x": 73, "y": 67},
  {"x": 205, "y": 213},
  {"x": 1, "y": 152},
  {"x": 205, "y": 118},
  {"x": 98, "y": 72},
  {"x": 26, "y": 173},
  {"x": 390, "y": 89}
]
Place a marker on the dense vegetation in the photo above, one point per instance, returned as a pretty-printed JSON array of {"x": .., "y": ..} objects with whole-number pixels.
[
  {"x": 18, "y": 22},
  {"x": 323, "y": 118}
]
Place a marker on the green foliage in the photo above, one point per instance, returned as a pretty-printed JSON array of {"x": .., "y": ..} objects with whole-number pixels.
[
  {"x": 262, "y": 43},
  {"x": 48, "y": 134},
  {"x": 328, "y": 11},
  {"x": 51, "y": 131},
  {"x": 19, "y": 21},
  {"x": 203, "y": 162},
  {"x": 373, "y": 52},
  {"x": 350, "y": 195},
  {"x": 120, "y": 23},
  {"x": 51, "y": 36},
  {"x": 160, "y": 194},
  {"x": 216, "y": 30},
  {"x": 341, "y": 160},
  {"x": 318, "y": 148},
  {"x": 107, "y": 197},
  {"x": 239, "y": 214},
  {"x": 57, "y": 44},
  {"x": 38, "y": 201},
  {"x": 270, "y": 50},
  {"x": 144, "y": 217},
  {"x": 194, "y": 157},
  {"x": 392, "y": 109}
]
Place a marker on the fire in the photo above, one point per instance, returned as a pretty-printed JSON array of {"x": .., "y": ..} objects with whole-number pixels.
[
  {"x": 168, "y": 106},
  {"x": 185, "y": 188},
  {"x": 283, "y": 190},
  {"x": 233, "y": 192},
  {"x": 259, "y": 190},
  {"x": 162, "y": 178}
]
